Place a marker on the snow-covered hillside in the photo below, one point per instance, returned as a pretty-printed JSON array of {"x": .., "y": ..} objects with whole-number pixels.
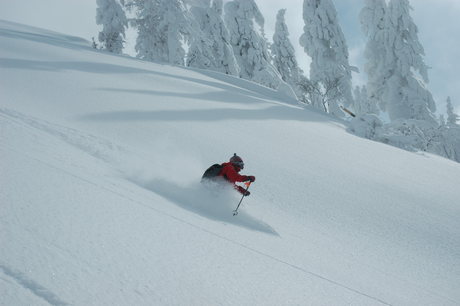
[{"x": 100, "y": 200}]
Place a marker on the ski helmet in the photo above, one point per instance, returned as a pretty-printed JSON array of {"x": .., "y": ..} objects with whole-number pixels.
[{"x": 237, "y": 161}]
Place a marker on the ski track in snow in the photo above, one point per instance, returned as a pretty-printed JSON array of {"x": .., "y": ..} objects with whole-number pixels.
[
  {"x": 92, "y": 145},
  {"x": 32, "y": 286}
]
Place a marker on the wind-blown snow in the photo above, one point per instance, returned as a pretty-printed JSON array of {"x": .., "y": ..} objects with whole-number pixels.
[{"x": 100, "y": 201}]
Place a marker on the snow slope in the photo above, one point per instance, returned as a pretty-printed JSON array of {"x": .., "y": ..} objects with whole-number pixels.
[{"x": 100, "y": 201}]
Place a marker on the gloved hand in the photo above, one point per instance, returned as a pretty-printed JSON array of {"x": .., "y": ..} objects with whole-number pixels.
[
  {"x": 250, "y": 178},
  {"x": 246, "y": 193}
]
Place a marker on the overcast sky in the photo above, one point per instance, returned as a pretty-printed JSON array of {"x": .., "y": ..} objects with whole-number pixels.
[{"x": 438, "y": 22}]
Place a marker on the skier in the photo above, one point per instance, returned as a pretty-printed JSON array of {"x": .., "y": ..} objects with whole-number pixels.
[{"x": 230, "y": 172}]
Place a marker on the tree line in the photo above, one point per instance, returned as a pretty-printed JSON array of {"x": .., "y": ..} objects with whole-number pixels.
[{"x": 394, "y": 107}]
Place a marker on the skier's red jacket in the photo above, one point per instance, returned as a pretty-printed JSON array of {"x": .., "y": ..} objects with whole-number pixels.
[{"x": 230, "y": 173}]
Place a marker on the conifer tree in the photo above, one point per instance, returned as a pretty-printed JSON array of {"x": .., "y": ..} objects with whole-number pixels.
[
  {"x": 324, "y": 42},
  {"x": 362, "y": 104},
  {"x": 452, "y": 117},
  {"x": 284, "y": 59},
  {"x": 211, "y": 48},
  {"x": 111, "y": 16},
  {"x": 249, "y": 45},
  {"x": 442, "y": 120},
  {"x": 283, "y": 52},
  {"x": 405, "y": 95},
  {"x": 372, "y": 18},
  {"x": 162, "y": 27}
]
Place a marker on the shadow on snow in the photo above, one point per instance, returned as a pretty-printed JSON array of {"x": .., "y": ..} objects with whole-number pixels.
[
  {"x": 214, "y": 202},
  {"x": 105, "y": 68}
]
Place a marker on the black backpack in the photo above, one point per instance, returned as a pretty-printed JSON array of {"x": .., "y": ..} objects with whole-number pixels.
[{"x": 212, "y": 172}]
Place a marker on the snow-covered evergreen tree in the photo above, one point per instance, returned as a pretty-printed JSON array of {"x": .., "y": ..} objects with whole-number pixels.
[
  {"x": 360, "y": 95},
  {"x": 405, "y": 95},
  {"x": 249, "y": 45},
  {"x": 284, "y": 59},
  {"x": 200, "y": 51},
  {"x": 111, "y": 16},
  {"x": 324, "y": 42},
  {"x": 397, "y": 81},
  {"x": 442, "y": 120},
  {"x": 372, "y": 18},
  {"x": 450, "y": 143},
  {"x": 211, "y": 49},
  {"x": 447, "y": 140},
  {"x": 283, "y": 52},
  {"x": 162, "y": 27},
  {"x": 362, "y": 103},
  {"x": 452, "y": 117}
]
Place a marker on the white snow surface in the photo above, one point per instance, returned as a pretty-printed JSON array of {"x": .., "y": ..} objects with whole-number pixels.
[{"x": 100, "y": 200}]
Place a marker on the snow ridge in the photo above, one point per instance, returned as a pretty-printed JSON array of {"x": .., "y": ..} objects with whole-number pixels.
[{"x": 32, "y": 286}]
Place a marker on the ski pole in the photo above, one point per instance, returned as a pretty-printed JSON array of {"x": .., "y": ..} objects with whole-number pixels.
[{"x": 235, "y": 212}]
